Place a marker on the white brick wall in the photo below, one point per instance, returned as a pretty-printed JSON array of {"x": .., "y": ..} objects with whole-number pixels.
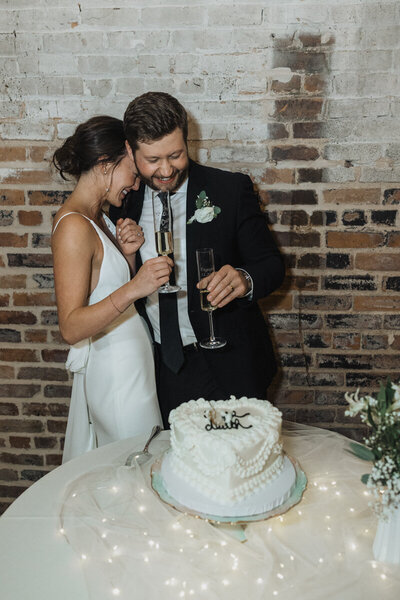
[
  {"x": 62, "y": 63},
  {"x": 222, "y": 52}
]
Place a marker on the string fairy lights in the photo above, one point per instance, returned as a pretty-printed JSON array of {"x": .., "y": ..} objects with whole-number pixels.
[{"x": 195, "y": 558}]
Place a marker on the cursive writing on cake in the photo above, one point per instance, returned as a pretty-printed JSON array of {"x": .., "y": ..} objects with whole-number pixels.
[{"x": 230, "y": 420}]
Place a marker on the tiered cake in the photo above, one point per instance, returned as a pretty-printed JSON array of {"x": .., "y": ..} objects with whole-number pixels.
[{"x": 226, "y": 457}]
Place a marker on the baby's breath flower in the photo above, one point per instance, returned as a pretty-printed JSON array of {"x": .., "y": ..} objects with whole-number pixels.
[{"x": 382, "y": 415}]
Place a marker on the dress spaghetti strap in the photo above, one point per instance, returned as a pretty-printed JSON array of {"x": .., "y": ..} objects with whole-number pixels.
[{"x": 66, "y": 215}]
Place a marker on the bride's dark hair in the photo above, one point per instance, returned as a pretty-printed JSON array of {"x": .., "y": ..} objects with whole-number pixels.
[{"x": 98, "y": 140}]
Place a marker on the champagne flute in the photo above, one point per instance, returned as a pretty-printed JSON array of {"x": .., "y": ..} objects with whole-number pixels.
[
  {"x": 162, "y": 218},
  {"x": 205, "y": 267}
]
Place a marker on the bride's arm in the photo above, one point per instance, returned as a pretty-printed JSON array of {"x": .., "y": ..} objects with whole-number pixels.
[{"x": 75, "y": 249}]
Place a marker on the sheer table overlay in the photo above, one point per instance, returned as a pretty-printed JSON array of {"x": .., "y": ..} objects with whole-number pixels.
[{"x": 109, "y": 535}]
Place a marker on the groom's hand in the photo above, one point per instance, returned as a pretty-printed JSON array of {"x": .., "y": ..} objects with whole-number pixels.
[{"x": 224, "y": 286}]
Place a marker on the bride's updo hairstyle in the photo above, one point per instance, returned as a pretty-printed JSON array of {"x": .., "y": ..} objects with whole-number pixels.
[{"x": 99, "y": 140}]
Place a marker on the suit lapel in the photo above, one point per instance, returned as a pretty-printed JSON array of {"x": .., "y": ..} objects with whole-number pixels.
[
  {"x": 135, "y": 203},
  {"x": 195, "y": 232}
]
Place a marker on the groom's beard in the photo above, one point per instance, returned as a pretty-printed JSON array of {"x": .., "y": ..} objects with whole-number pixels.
[{"x": 179, "y": 177}]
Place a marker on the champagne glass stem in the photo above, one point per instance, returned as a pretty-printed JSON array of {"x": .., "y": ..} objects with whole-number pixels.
[
  {"x": 206, "y": 268},
  {"x": 211, "y": 322}
]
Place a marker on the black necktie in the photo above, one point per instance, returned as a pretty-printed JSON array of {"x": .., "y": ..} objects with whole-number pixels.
[
  {"x": 164, "y": 221},
  {"x": 171, "y": 342}
]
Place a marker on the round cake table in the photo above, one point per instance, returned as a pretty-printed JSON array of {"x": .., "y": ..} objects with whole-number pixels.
[{"x": 95, "y": 529}]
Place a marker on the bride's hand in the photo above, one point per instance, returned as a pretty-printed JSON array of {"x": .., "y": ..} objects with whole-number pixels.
[
  {"x": 152, "y": 274},
  {"x": 129, "y": 236}
]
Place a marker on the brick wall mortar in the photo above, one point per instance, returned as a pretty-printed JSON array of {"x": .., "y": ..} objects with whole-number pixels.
[{"x": 302, "y": 96}]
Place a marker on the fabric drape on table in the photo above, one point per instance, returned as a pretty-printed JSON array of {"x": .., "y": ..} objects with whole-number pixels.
[{"x": 138, "y": 547}]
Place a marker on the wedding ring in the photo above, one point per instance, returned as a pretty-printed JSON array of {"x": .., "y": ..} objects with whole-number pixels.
[
  {"x": 139, "y": 234},
  {"x": 232, "y": 288}
]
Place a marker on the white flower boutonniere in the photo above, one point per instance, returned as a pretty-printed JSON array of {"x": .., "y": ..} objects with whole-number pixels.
[{"x": 205, "y": 211}]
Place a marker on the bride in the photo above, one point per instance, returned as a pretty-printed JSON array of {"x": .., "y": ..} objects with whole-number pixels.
[{"x": 96, "y": 285}]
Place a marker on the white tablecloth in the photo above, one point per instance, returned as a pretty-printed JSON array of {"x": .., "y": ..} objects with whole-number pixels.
[
  {"x": 36, "y": 562},
  {"x": 119, "y": 540}
]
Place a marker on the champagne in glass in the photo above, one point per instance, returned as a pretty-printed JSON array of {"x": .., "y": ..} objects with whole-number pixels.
[
  {"x": 206, "y": 268},
  {"x": 164, "y": 243},
  {"x": 204, "y": 303},
  {"x": 162, "y": 218}
]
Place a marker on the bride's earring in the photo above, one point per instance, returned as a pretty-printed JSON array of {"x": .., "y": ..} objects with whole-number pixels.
[{"x": 105, "y": 173}]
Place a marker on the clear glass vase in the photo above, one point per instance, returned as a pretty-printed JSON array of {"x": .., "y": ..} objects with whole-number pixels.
[{"x": 386, "y": 547}]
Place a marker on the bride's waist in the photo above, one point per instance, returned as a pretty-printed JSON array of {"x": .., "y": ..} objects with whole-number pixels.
[{"x": 124, "y": 322}]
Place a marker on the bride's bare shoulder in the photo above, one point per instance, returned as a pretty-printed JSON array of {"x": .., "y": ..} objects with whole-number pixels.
[
  {"x": 72, "y": 229},
  {"x": 66, "y": 219}
]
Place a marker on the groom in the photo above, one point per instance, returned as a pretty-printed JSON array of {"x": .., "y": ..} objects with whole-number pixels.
[{"x": 211, "y": 209}]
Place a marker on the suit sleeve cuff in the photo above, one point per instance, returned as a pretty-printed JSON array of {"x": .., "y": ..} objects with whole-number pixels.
[{"x": 249, "y": 295}]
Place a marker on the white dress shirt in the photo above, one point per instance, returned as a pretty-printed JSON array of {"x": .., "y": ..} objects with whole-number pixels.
[{"x": 148, "y": 250}]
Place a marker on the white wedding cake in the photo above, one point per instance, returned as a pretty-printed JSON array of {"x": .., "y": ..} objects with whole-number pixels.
[{"x": 226, "y": 457}]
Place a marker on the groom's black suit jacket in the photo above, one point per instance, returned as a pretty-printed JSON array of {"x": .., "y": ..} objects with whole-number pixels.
[{"x": 240, "y": 237}]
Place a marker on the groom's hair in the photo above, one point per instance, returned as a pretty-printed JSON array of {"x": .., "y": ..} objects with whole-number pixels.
[{"x": 152, "y": 116}]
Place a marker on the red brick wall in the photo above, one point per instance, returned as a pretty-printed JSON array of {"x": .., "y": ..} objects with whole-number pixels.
[
  {"x": 312, "y": 117},
  {"x": 336, "y": 320},
  {"x": 34, "y": 385}
]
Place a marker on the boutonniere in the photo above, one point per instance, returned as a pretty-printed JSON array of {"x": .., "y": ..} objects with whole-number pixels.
[{"x": 205, "y": 211}]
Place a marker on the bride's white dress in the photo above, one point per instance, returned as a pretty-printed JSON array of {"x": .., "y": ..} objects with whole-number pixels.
[{"x": 114, "y": 391}]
